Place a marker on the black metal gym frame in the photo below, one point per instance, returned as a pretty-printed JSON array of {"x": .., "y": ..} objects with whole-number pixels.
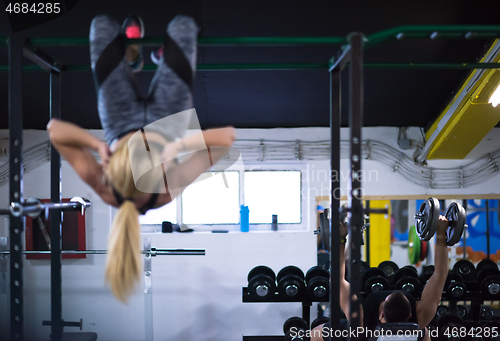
[
  {"x": 17, "y": 47},
  {"x": 16, "y": 184},
  {"x": 352, "y": 54}
]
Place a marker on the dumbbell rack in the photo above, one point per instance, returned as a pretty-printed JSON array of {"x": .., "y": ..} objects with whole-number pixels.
[
  {"x": 476, "y": 301},
  {"x": 306, "y": 312}
]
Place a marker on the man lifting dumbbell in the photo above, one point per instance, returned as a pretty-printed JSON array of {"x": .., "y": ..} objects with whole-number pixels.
[{"x": 398, "y": 306}]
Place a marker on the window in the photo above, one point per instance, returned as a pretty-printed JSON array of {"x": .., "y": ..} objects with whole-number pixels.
[
  {"x": 273, "y": 192},
  {"x": 157, "y": 216},
  {"x": 215, "y": 200}
]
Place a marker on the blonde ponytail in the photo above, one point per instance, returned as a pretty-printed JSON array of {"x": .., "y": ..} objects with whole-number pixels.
[{"x": 123, "y": 263}]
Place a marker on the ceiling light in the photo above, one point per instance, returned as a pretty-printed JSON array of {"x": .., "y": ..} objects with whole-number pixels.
[{"x": 495, "y": 97}]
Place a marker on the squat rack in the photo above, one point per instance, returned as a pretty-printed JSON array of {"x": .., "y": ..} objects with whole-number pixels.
[{"x": 351, "y": 54}]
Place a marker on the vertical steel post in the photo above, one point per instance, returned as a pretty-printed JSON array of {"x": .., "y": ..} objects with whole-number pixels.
[
  {"x": 487, "y": 229},
  {"x": 355, "y": 193},
  {"x": 55, "y": 217},
  {"x": 335, "y": 116},
  {"x": 464, "y": 204},
  {"x": 367, "y": 239},
  {"x": 16, "y": 227},
  {"x": 148, "y": 292}
]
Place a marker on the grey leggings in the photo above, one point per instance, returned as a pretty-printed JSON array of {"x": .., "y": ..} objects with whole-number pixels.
[{"x": 121, "y": 107}]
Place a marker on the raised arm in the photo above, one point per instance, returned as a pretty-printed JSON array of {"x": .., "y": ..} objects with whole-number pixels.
[
  {"x": 218, "y": 141},
  {"x": 74, "y": 144},
  {"x": 431, "y": 296}
]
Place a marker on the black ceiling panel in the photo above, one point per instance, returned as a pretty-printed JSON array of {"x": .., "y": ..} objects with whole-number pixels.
[{"x": 267, "y": 99}]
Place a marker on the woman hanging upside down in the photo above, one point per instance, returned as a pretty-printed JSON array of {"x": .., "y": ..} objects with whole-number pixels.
[{"x": 139, "y": 168}]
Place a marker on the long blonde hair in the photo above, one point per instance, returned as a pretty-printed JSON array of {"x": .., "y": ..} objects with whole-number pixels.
[{"x": 123, "y": 263}]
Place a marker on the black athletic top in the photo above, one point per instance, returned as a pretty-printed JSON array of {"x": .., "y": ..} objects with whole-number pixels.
[
  {"x": 371, "y": 307},
  {"x": 142, "y": 210}
]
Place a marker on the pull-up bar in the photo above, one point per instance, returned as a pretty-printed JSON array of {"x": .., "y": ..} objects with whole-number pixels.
[
  {"x": 287, "y": 66},
  {"x": 400, "y": 32}
]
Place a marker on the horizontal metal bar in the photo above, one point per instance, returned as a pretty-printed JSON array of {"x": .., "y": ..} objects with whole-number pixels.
[
  {"x": 235, "y": 41},
  {"x": 340, "y": 62},
  {"x": 65, "y": 323},
  {"x": 293, "y": 66},
  {"x": 442, "y": 31},
  {"x": 153, "y": 252},
  {"x": 39, "y": 57},
  {"x": 34, "y": 207}
]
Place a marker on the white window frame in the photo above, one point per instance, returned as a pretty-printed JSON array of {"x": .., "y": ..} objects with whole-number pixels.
[{"x": 302, "y": 167}]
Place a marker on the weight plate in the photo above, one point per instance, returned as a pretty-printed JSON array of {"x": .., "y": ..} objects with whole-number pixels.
[
  {"x": 486, "y": 263},
  {"x": 319, "y": 321},
  {"x": 290, "y": 270},
  {"x": 412, "y": 268},
  {"x": 261, "y": 287},
  {"x": 447, "y": 319},
  {"x": 318, "y": 289},
  {"x": 452, "y": 277},
  {"x": 490, "y": 287},
  {"x": 375, "y": 284},
  {"x": 442, "y": 310},
  {"x": 424, "y": 251},
  {"x": 410, "y": 285},
  {"x": 423, "y": 278},
  {"x": 434, "y": 212},
  {"x": 465, "y": 269},
  {"x": 461, "y": 311},
  {"x": 422, "y": 219},
  {"x": 389, "y": 268},
  {"x": 291, "y": 287},
  {"x": 373, "y": 272},
  {"x": 261, "y": 270},
  {"x": 295, "y": 321},
  {"x": 486, "y": 272},
  {"x": 316, "y": 271},
  {"x": 413, "y": 246},
  {"x": 404, "y": 272},
  {"x": 456, "y": 290},
  {"x": 429, "y": 269},
  {"x": 456, "y": 223}
]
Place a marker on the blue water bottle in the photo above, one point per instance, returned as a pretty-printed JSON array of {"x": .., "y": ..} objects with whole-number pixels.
[{"x": 244, "y": 218}]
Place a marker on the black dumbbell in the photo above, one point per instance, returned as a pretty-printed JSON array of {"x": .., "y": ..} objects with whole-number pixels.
[
  {"x": 489, "y": 277},
  {"x": 486, "y": 313},
  {"x": 465, "y": 269},
  {"x": 295, "y": 329},
  {"x": 261, "y": 283},
  {"x": 461, "y": 311},
  {"x": 291, "y": 283},
  {"x": 318, "y": 321},
  {"x": 447, "y": 324},
  {"x": 318, "y": 284},
  {"x": 389, "y": 268},
  {"x": 486, "y": 263},
  {"x": 423, "y": 278},
  {"x": 455, "y": 287},
  {"x": 375, "y": 280},
  {"x": 406, "y": 279},
  {"x": 442, "y": 310},
  {"x": 428, "y": 269}
]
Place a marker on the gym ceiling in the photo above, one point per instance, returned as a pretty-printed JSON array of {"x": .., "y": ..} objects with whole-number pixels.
[{"x": 270, "y": 99}]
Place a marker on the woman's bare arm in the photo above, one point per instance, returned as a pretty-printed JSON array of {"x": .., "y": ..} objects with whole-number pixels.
[
  {"x": 74, "y": 144},
  {"x": 216, "y": 141}
]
